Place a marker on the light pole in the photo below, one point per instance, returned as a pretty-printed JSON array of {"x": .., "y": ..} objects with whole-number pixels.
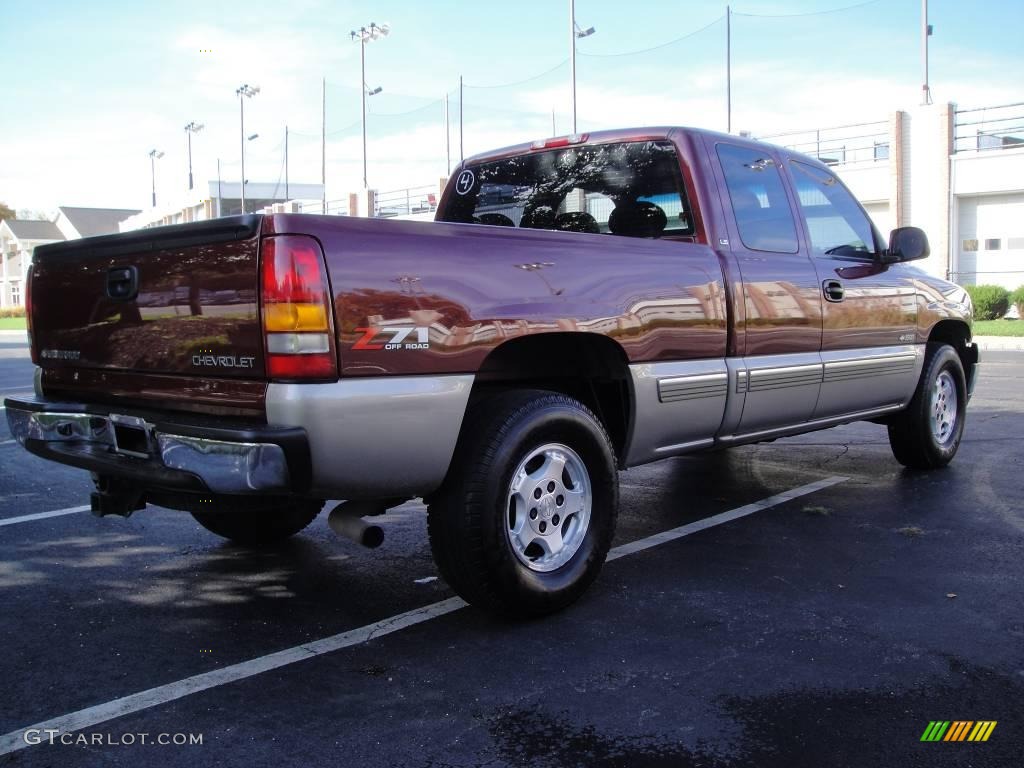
[
  {"x": 154, "y": 155},
  {"x": 728, "y": 69},
  {"x": 191, "y": 128},
  {"x": 364, "y": 36},
  {"x": 926, "y": 30},
  {"x": 244, "y": 91},
  {"x": 575, "y": 33}
]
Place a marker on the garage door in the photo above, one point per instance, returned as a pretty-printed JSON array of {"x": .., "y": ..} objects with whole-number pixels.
[{"x": 991, "y": 240}]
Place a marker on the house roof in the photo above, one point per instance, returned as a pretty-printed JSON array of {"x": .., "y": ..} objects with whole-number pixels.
[
  {"x": 34, "y": 229},
  {"x": 96, "y": 221}
]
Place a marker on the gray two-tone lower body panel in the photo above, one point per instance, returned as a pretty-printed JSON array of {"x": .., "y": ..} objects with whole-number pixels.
[
  {"x": 376, "y": 437},
  {"x": 685, "y": 406}
]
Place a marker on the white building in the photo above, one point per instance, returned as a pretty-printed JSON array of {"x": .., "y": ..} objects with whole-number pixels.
[
  {"x": 957, "y": 174},
  {"x": 19, "y": 237},
  {"x": 224, "y": 198}
]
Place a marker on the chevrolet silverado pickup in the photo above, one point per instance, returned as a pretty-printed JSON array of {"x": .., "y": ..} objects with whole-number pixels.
[{"x": 580, "y": 305}]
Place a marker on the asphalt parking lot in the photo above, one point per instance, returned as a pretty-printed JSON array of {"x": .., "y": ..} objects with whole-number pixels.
[{"x": 828, "y": 627}]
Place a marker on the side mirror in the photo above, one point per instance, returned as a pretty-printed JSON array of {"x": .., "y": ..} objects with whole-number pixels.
[{"x": 906, "y": 244}]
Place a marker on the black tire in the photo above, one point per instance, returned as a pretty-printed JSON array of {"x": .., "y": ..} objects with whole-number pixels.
[
  {"x": 470, "y": 517},
  {"x": 259, "y": 527},
  {"x": 922, "y": 436}
]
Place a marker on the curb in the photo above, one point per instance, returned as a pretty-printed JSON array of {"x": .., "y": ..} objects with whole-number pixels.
[
  {"x": 14, "y": 334},
  {"x": 1000, "y": 343}
]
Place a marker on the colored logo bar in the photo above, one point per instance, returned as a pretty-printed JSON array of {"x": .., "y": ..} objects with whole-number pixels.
[{"x": 958, "y": 730}]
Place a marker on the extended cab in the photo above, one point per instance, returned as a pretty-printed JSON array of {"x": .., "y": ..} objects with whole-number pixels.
[{"x": 581, "y": 305}]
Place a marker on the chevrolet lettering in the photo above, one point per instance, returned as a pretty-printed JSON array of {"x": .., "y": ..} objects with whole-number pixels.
[{"x": 223, "y": 361}]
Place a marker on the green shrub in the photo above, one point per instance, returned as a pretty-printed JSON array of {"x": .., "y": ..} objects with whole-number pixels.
[
  {"x": 12, "y": 312},
  {"x": 991, "y": 302},
  {"x": 1017, "y": 299}
]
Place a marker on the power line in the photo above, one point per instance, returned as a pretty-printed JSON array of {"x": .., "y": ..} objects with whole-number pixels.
[
  {"x": 431, "y": 105},
  {"x": 530, "y": 79},
  {"x": 345, "y": 128},
  {"x": 659, "y": 46},
  {"x": 806, "y": 13}
]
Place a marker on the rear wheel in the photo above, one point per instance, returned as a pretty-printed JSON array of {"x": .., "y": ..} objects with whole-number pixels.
[
  {"x": 258, "y": 526},
  {"x": 927, "y": 434},
  {"x": 526, "y": 516}
]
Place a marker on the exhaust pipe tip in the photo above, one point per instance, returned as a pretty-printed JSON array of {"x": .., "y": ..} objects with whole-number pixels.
[
  {"x": 355, "y": 528},
  {"x": 373, "y": 536}
]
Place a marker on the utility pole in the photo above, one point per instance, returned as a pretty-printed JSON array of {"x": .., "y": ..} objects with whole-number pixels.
[
  {"x": 572, "y": 58},
  {"x": 728, "y": 69},
  {"x": 286, "y": 195},
  {"x": 364, "y": 36},
  {"x": 155, "y": 155},
  {"x": 447, "y": 138},
  {"x": 574, "y": 33},
  {"x": 926, "y": 31},
  {"x": 461, "y": 100},
  {"x": 191, "y": 128},
  {"x": 323, "y": 144},
  {"x": 244, "y": 92}
]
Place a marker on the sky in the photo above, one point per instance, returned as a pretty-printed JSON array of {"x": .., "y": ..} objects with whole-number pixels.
[{"x": 89, "y": 89}]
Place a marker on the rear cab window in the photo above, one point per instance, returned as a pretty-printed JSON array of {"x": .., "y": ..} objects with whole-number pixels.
[{"x": 632, "y": 189}]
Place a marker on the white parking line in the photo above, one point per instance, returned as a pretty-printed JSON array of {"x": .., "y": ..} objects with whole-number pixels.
[
  {"x": 44, "y": 515},
  {"x": 136, "y": 702},
  {"x": 733, "y": 514}
]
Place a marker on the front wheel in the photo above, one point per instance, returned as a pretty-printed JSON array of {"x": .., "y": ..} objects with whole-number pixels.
[
  {"x": 526, "y": 516},
  {"x": 927, "y": 434}
]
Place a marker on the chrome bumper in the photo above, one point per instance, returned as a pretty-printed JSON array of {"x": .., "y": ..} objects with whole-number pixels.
[{"x": 226, "y": 461}]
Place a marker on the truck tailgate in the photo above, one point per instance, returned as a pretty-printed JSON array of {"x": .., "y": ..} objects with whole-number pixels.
[{"x": 179, "y": 300}]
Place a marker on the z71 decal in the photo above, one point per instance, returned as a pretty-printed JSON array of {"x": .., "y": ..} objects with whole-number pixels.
[{"x": 393, "y": 338}]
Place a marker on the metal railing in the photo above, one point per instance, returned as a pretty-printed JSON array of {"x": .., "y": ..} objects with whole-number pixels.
[
  {"x": 401, "y": 202},
  {"x": 334, "y": 207},
  {"x": 986, "y": 128},
  {"x": 839, "y": 145}
]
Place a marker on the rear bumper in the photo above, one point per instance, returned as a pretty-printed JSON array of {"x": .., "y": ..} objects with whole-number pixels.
[{"x": 161, "y": 452}]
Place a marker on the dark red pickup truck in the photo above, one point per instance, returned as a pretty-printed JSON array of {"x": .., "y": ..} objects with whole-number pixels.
[{"x": 582, "y": 304}]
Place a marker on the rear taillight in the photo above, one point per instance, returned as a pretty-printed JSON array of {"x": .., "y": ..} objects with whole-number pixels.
[
  {"x": 28, "y": 313},
  {"x": 296, "y": 303}
]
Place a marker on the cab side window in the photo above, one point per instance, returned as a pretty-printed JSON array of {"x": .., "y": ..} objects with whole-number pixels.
[
  {"x": 836, "y": 224},
  {"x": 759, "y": 201}
]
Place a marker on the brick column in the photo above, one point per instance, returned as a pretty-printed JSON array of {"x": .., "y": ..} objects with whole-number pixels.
[{"x": 896, "y": 169}]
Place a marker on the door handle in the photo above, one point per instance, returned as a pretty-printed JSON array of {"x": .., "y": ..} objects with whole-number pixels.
[
  {"x": 123, "y": 283},
  {"x": 833, "y": 290}
]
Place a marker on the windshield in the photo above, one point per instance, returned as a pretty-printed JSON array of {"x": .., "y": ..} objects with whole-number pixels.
[{"x": 633, "y": 189}]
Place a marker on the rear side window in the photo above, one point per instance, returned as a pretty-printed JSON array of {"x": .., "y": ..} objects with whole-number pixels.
[
  {"x": 835, "y": 222},
  {"x": 633, "y": 189},
  {"x": 759, "y": 200}
]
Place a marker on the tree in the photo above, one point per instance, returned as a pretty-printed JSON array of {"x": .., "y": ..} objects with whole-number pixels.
[{"x": 6, "y": 212}]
